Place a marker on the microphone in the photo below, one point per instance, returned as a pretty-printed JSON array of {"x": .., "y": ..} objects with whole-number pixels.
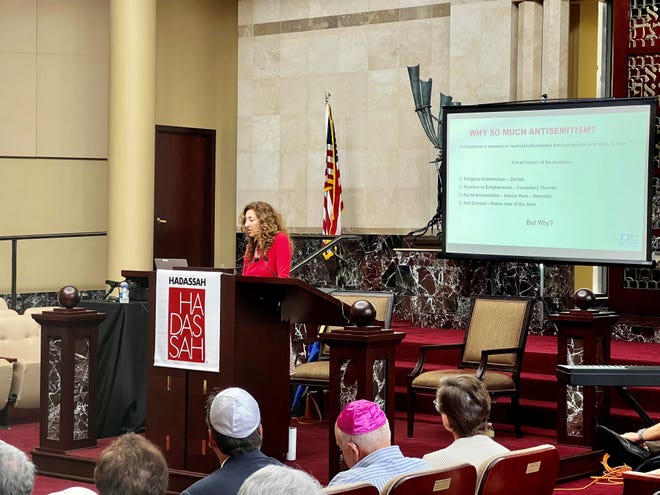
[
  {"x": 269, "y": 268},
  {"x": 112, "y": 286}
]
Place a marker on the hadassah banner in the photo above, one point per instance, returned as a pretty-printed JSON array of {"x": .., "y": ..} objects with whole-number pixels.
[{"x": 187, "y": 320}]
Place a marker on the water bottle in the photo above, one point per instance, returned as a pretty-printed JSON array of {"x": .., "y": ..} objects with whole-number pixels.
[{"x": 123, "y": 293}]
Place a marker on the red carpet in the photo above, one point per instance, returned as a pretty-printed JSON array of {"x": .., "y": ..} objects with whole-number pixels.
[
  {"x": 25, "y": 436},
  {"x": 538, "y": 386}
]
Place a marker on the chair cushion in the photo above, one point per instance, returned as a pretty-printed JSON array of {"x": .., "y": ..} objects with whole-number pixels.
[
  {"x": 316, "y": 370},
  {"x": 495, "y": 382}
]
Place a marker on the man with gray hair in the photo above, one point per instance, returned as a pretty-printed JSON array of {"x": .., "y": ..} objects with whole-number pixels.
[
  {"x": 16, "y": 471},
  {"x": 235, "y": 433},
  {"x": 362, "y": 433},
  {"x": 280, "y": 480}
]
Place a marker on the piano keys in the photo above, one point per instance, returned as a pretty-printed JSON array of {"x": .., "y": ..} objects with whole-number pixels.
[
  {"x": 619, "y": 376},
  {"x": 609, "y": 375}
]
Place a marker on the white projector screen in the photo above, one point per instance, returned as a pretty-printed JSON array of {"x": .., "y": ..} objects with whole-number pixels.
[{"x": 563, "y": 181}]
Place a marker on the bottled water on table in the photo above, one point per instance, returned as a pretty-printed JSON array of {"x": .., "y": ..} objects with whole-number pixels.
[{"x": 123, "y": 292}]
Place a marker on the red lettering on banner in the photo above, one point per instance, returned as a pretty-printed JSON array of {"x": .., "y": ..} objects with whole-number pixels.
[{"x": 186, "y": 325}]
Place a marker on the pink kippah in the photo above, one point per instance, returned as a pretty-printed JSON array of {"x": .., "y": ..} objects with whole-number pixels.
[{"x": 361, "y": 416}]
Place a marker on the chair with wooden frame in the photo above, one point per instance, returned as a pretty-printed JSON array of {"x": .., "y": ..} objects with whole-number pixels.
[
  {"x": 359, "y": 488},
  {"x": 460, "y": 479},
  {"x": 316, "y": 374},
  {"x": 521, "y": 472},
  {"x": 636, "y": 483},
  {"x": 492, "y": 349}
]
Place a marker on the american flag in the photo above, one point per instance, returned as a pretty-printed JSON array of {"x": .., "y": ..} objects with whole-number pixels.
[{"x": 332, "y": 202}]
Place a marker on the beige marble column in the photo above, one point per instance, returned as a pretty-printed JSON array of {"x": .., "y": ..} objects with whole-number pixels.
[
  {"x": 555, "y": 48},
  {"x": 131, "y": 135},
  {"x": 530, "y": 50}
]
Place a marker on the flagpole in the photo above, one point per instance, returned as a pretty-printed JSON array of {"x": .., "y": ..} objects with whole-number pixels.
[{"x": 332, "y": 192}]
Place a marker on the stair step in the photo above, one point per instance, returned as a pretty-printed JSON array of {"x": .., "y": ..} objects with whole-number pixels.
[{"x": 538, "y": 383}]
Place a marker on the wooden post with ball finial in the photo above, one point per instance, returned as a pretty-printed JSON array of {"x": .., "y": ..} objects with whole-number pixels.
[
  {"x": 584, "y": 336},
  {"x": 361, "y": 367},
  {"x": 69, "y": 342}
]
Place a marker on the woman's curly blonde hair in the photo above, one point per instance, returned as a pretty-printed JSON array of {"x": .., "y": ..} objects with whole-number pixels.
[{"x": 270, "y": 223}]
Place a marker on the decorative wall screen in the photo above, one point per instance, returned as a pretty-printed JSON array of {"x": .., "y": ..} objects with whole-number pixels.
[{"x": 636, "y": 73}]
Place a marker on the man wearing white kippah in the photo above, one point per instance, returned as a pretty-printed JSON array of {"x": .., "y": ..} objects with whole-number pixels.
[{"x": 235, "y": 435}]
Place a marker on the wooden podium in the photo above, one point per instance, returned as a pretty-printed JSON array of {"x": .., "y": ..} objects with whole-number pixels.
[
  {"x": 583, "y": 337},
  {"x": 255, "y": 319}
]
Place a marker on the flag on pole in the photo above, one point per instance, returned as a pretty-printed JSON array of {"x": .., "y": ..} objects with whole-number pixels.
[{"x": 332, "y": 202}]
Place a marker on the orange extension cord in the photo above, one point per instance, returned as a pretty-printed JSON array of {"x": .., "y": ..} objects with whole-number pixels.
[{"x": 610, "y": 476}]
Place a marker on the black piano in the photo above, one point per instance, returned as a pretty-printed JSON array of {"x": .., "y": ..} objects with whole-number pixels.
[{"x": 619, "y": 376}]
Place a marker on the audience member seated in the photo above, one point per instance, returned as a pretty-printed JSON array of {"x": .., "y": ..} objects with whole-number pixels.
[
  {"x": 638, "y": 449},
  {"x": 131, "y": 465},
  {"x": 74, "y": 490},
  {"x": 280, "y": 480},
  {"x": 363, "y": 435},
  {"x": 16, "y": 471},
  {"x": 464, "y": 406},
  {"x": 235, "y": 434}
]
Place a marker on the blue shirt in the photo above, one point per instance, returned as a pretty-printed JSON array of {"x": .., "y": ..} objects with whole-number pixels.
[{"x": 379, "y": 467}]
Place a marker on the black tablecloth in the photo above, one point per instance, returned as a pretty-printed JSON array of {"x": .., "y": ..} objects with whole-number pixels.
[{"x": 122, "y": 366}]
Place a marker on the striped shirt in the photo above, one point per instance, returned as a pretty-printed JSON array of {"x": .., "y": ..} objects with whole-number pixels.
[{"x": 379, "y": 467}]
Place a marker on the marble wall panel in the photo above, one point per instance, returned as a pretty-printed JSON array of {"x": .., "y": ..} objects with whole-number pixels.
[
  {"x": 485, "y": 75},
  {"x": 430, "y": 291},
  {"x": 357, "y": 53},
  {"x": 416, "y": 43},
  {"x": 352, "y": 50},
  {"x": 54, "y": 388}
]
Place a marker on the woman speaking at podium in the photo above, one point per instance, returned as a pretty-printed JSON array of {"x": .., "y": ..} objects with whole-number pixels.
[{"x": 268, "y": 249}]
